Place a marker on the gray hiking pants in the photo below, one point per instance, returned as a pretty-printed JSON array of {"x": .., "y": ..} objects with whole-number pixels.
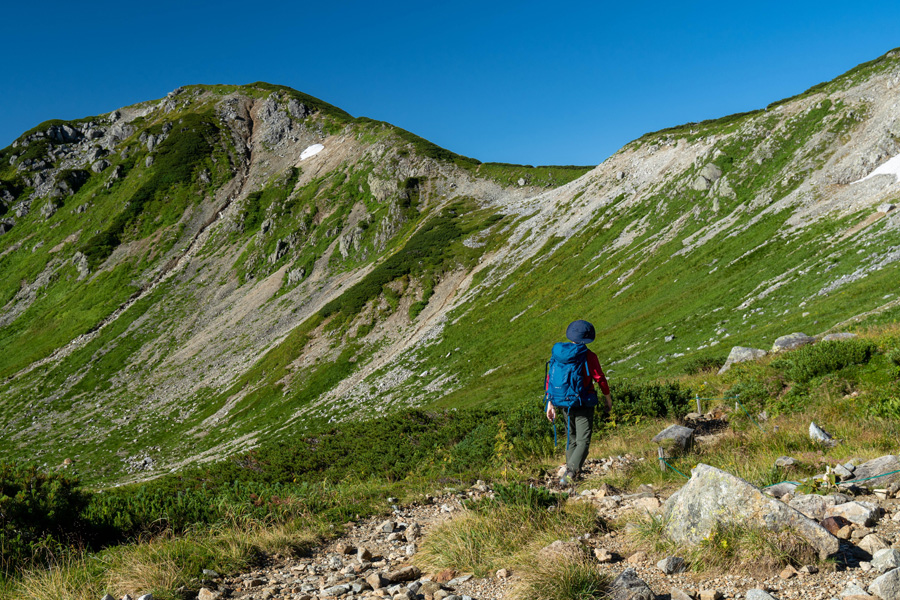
[{"x": 579, "y": 422}]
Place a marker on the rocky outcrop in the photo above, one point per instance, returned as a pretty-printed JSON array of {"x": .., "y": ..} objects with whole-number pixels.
[
  {"x": 741, "y": 354},
  {"x": 792, "y": 341},
  {"x": 713, "y": 497}
]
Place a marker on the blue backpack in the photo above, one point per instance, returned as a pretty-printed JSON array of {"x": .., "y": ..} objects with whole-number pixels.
[{"x": 566, "y": 371}]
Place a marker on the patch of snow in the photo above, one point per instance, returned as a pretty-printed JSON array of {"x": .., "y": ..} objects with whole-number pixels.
[
  {"x": 891, "y": 167},
  {"x": 311, "y": 151}
]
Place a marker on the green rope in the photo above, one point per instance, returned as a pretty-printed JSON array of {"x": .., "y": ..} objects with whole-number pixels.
[
  {"x": 852, "y": 481},
  {"x": 849, "y": 482},
  {"x": 673, "y": 468},
  {"x": 746, "y": 412}
]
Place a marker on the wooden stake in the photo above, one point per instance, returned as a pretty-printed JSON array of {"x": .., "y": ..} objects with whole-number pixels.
[{"x": 662, "y": 454}]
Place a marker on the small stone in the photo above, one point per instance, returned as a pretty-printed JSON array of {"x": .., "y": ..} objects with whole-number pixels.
[
  {"x": 336, "y": 590},
  {"x": 603, "y": 555},
  {"x": 671, "y": 565},
  {"x": 146, "y": 597},
  {"x": 388, "y": 526},
  {"x": 377, "y": 581},
  {"x": 344, "y": 549},
  {"x": 809, "y": 570},
  {"x": 784, "y": 462},
  {"x": 844, "y": 533},
  {"x": 502, "y": 573},
  {"x": 710, "y": 595},
  {"x": 107, "y": 597},
  {"x": 861, "y": 513},
  {"x": 834, "y": 524},
  {"x": 649, "y": 505},
  {"x": 363, "y": 554},
  {"x": 788, "y": 572},
  {"x": 459, "y": 580},
  {"x": 758, "y": 594},
  {"x": 852, "y": 589},
  {"x": 872, "y": 544},
  {"x": 637, "y": 558},
  {"x": 208, "y": 594},
  {"x": 404, "y": 574},
  {"x": 628, "y": 586},
  {"x": 820, "y": 435},
  {"x": 679, "y": 594},
  {"x": 210, "y": 574},
  {"x": 842, "y": 473},
  {"x": 445, "y": 576}
]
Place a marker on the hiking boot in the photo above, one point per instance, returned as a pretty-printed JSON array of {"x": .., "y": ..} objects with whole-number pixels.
[{"x": 568, "y": 478}]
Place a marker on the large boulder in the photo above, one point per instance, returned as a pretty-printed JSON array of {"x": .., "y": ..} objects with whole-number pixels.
[
  {"x": 713, "y": 496},
  {"x": 792, "y": 341},
  {"x": 876, "y": 467},
  {"x": 675, "y": 436},
  {"x": 741, "y": 354}
]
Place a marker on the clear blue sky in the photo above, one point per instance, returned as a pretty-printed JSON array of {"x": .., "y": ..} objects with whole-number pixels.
[{"x": 523, "y": 82}]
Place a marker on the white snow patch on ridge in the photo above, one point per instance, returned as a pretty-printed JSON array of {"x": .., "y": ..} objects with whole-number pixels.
[
  {"x": 316, "y": 148},
  {"x": 891, "y": 167}
]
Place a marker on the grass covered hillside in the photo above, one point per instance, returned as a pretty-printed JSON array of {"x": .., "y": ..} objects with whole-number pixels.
[{"x": 230, "y": 266}]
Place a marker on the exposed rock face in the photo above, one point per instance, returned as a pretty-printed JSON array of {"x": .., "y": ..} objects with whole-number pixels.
[
  {"x": 713, "y": 496},
  {"x": 792, "y": 341},
  {"x": 836, "y": 337},
  {"x": 741, "y": 354}
]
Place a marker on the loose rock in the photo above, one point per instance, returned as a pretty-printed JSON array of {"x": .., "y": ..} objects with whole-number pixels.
[
  {"x": 887, "y": 586},
  {"x": 628, "y": 586},
  {"x": 675, "y": 436}
]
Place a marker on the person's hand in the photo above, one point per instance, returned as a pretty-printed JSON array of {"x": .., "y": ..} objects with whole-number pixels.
[
  {"x": 551, "y": 412},
  {"x": 608, "y": 403}
]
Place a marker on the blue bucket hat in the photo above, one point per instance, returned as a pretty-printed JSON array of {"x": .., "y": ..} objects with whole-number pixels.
[{"x": 580, "y": 332}]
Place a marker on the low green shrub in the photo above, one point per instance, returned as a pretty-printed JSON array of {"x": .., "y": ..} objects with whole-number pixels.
[
  {"x": 811, "y": 361},
  {"x": 884, "y": 403},
  {"x": 632, "y": 401},
  {"x": 38, "y": 510}
]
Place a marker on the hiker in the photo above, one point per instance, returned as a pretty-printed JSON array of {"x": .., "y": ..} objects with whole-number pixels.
[{"x": 575, "y": 397}]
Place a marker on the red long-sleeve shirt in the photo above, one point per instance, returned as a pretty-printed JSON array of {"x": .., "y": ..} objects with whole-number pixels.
[{"x": 595, "y": 373}]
